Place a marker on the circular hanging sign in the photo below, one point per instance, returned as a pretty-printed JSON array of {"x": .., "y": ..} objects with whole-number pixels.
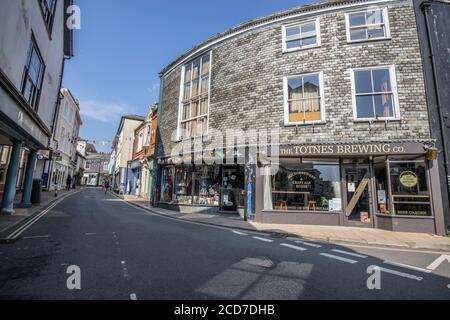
[{"x": 408, "y": 179}]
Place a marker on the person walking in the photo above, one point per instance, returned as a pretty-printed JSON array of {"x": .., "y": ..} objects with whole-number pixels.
[{"x": 68, "y": 182}]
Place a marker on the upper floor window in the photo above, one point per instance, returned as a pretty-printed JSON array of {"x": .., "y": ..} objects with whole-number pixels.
[
  {"x": 303, "y": 99},
  {"x": 33, "y": 75},
  {"x": 301, "y": 36},
  {"x": 370, "y": 24},
  {"x": 87, "y": 165},
  {"x": 375, "y": 93},
  {"x": 194, "y": 96},
  {"x": 48, "y": 11}
]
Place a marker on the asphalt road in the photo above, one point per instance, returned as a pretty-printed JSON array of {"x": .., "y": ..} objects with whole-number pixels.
[{"x": 124, "y": 253}]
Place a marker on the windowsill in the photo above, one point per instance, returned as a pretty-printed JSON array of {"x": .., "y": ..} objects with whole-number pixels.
[
  {"x": 368, "y": 40},
  {"x": 189, "y": 204},
  {"x": 402, "y": 216},
  {"x": 379, "y": 120},
  {"x": 300, "y": 211},
  {"x": 206, "y": 136},
  {"x": 308, "y": 123},
  {"x": 302, "y": 49}
]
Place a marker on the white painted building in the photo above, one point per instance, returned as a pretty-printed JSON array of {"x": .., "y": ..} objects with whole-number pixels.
[{"x": 34, "y": 42}]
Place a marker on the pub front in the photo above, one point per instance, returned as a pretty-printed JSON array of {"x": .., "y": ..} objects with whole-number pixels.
[{"x": 387, "y": 185}]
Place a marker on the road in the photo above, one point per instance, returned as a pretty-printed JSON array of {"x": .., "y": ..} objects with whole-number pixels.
[{"x": 124, "y": 253}]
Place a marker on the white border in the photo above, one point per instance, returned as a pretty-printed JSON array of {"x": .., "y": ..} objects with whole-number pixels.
[
  {"x": 393, "y": 79},
  {"x": 386, "y": 24},
  {"x": 300, "y": 23},
  {"x": 286, "y": 103}
]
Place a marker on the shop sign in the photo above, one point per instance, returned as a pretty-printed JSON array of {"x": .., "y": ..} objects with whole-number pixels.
[
  {"x": 353, "y": 149},
  {"x": 408, "y": 179}
]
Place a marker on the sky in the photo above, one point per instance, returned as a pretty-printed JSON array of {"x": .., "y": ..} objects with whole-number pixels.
[{"x": 123, "y": 45}]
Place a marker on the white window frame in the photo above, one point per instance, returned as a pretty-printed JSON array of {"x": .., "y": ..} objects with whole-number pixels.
[
  {"x": 300, "y": 23},
  {"x": 384, "y": 11},
  {"x": 396, "y": 107},
  {"x": 181, "y": 96},
  {"x": 286, "y": 99}
]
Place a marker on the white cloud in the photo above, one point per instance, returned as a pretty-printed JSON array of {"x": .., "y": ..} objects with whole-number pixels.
[{"x": 103, "y": 111}]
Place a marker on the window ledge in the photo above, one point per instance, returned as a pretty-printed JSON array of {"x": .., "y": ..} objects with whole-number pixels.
[
  {"x": 304, "y": 124},
  {"x": 380, "y": 120},
  {"x": 302, "y": 49},
  {"x": 300, "y": 211},
  {"x": 368, "y": 40}
]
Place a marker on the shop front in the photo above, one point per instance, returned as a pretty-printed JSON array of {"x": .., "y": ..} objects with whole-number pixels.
[
  {"x": 211, "y": 188},
  {"x": 378, "y": 185}
]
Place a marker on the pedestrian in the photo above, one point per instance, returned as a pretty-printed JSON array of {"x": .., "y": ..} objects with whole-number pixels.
[
  {"x": 106, "y": 186},
  {"x": 68, "y": 182}
]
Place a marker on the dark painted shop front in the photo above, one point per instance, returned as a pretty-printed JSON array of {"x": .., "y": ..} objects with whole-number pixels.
[{"x": 392, "y": 186}]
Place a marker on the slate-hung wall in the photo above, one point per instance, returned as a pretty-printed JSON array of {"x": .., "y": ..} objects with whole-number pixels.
[{"x": 247, "y": 81}]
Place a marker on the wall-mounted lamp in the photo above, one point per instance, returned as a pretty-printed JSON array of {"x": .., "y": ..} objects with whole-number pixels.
[{"x": 432, "y": 153}]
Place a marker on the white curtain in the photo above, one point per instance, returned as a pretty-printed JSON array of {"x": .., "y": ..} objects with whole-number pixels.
[{"x": 268, "y": 205}]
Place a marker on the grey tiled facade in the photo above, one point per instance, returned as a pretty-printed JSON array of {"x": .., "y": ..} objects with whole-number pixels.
[{"x": 247, "y": 81}]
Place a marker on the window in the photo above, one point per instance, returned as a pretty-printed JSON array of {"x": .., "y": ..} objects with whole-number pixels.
[
  {"x": 87, "y": 165},
  {"x": 167, "y": 184},
  {"x": 371, "y": 24},
  {"x": 48, "y": 11},
  {"x": 409, "y": 185},
  {"x": 194, "y": 106},
  {"x": 33, "y": 75},
  {"x": 105, "y": 166},
  {"x": 375, "y": 93},
  {"x": 304, "y": 184},
  {"x": 303, "y": 97},
  {"x": 207, "y": 182},
  {"x": 183, "y": 184},
  {"x": 301, "y": 36}
]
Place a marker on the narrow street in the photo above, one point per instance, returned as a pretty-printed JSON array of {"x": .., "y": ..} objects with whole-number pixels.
[{"x": 127, "y": 253}]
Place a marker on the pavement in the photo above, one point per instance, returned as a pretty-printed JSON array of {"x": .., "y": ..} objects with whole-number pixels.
[
  {"x": 92, "y": 245},
  {"x": 10, "y": 222},
  {"x": 334, "y": 234}
]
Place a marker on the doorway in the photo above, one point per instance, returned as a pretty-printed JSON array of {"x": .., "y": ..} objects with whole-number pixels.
[
  {"x": 358, "y": 206},
  {"x": 232, "y": 188}
]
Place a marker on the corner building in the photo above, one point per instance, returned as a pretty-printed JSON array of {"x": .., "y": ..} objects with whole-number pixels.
[{"x": 343, "y": 83}]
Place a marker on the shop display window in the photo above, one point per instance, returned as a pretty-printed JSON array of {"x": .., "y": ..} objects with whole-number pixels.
[
  {"x": 302, "y": 184},
  {"x": 167, "y": 184},
  {"x": 409, "y": 188},
  {"x": 207, "y": 182},
  {"x": 183, "y": 184}
]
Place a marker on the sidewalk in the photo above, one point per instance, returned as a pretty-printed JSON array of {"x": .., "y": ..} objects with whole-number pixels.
[
  {"x": 8, "y": 222},
  {"x": 335, "y": 234}
]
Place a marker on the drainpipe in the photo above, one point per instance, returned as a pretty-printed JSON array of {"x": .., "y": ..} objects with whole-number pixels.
[{"x": 425, "y": 7}]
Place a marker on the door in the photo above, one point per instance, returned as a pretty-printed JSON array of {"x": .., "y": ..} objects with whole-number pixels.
[
  {"x": 358, "y": 208},
  {"x": 232, "y": 187}
]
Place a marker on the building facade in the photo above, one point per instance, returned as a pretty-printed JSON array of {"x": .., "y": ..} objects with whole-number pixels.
[
  {"x": 65, "y": 142},
  {"x": 96, "y": 169},
  {"x": 123, "y": 152},
  {"x": 329, "y": 105},
  {"x": 34, "y": 42}
]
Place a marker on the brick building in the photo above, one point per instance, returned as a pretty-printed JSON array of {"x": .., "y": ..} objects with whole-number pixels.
[{"x": 342, "y": 84}]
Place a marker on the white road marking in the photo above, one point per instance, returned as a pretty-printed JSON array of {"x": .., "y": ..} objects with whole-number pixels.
[
  {"x": 350, "y": 253},
  {"x": 436, "y": 263},
  {"x": 293, "y": 247},
  {"x": 406, "y": 266},
  {"x": 338, "y": 258},
  {"x": 36, "y": 237},
  {"x": 448, "y": 286},
  {"x": 22, "y": 229},
  {"x": 124, "y": 269},
  {"x": 133, "y": 296},
  {"x": 401, "y": 274},
  {"x": 90, "y": 234},
  {"x": 239, "y": 233},
  {"x": 309, "y": 244},
  {"x": 263, "y": 239}
]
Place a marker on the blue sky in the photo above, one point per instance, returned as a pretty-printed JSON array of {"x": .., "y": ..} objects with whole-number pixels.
[{"x": 122, "y": 45}]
